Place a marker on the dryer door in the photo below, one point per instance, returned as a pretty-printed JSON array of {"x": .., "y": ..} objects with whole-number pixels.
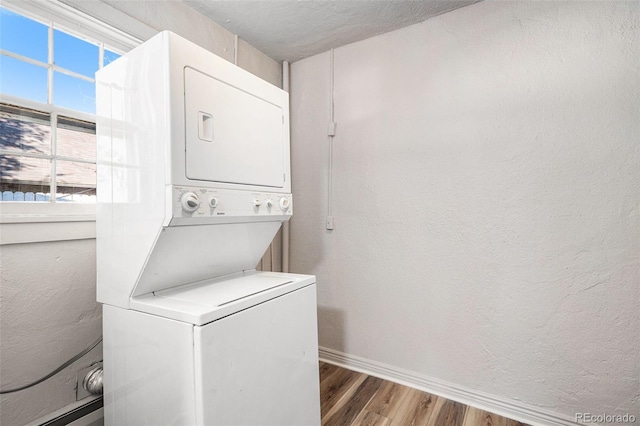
[{"x": 232, "y": 136}]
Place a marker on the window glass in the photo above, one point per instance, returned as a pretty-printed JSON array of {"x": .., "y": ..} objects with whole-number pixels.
[
  {"x": 24, "y": 131},
  {"x": 74, "y": 54},
  {"x": 24, "y": 80},
  {"x": 76, "y": 139},
  {"x": 24, "y": 178},
  {"x": 23, "y": 36},
  {"x": 75, "y": 181},
  {"x": 74, "y": 93},
  {"x": 32, "y": 166},
  {"x": 109, "y": 57}
]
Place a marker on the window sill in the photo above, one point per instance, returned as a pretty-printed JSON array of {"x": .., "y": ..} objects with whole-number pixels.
[{"x": 32, "y": 222}]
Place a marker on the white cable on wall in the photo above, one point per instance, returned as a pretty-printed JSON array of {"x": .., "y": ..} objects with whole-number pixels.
[
  {"x": 235, "y": 49},
  {"x": 54, "y": 372},
  {"x": 331, "y": 131}
]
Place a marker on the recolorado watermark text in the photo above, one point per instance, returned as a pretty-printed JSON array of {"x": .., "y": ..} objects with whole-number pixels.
[{"x": 605, "y": 418}]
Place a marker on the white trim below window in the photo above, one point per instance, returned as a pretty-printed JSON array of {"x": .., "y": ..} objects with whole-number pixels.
[
  {"x": 33, "y": 222},
  {"x": 39, "y": 232},
  {"x": 34, "y": 211}
]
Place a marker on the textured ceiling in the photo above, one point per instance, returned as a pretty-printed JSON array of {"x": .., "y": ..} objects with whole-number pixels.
[{"x": 294, "y": 29}]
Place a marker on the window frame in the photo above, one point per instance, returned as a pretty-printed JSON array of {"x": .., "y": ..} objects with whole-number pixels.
[{"x": 22, "y": 222}]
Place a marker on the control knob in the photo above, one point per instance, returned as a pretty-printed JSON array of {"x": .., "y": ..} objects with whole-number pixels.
[
  {"x": 269, "y": 204},
  {"x": 213, "y": 202},
  {"x": 190, "y": 202},
  {"x": 284, "y": 204}
]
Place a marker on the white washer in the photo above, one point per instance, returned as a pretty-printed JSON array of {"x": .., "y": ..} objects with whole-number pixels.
[
  {"x": 228, "y": 352},
  {"x": 193, "y": 184}
]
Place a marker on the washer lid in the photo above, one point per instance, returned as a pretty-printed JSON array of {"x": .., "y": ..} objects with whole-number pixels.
[{"x": 207, "y": 301}]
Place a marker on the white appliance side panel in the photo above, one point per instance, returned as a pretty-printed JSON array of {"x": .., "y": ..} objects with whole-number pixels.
[
  {"x": 186, "y": 254},
  {"x": 132, "y": 144},
  {"x": 260, "y": 366},
  {"x": 232, "y": 136},
  {"x": 148, "y": 369}
]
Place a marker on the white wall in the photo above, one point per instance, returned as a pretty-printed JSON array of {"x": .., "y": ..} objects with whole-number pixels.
[
  {"x": 486, "y": 201},
  {"x": 48, "y": 311}
]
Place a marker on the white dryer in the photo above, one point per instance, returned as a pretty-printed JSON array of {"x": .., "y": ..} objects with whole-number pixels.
[{"x": 193, "y": 184}]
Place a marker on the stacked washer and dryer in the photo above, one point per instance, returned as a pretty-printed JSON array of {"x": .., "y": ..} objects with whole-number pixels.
[{"x": 193, "y": 185}]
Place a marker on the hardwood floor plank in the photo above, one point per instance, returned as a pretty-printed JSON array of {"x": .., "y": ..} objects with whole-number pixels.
[
  {"x": 448, "y": 413},
  {"x": 352, "y": 398},
  {"x": 348, "y": 412},
  {"x": 478, "y": 417},
  {"x": 386, "y": 402},
  {"x": 326, "y": 370},
  {"x": 415, "y": 409},
  {"x": 336, "y": 386},
  {"x": 345, "y": 398},
  {"x": 367, "y": 418}
]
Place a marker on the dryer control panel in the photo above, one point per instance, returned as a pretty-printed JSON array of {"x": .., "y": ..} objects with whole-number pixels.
[{"x": 197, "y": 206}]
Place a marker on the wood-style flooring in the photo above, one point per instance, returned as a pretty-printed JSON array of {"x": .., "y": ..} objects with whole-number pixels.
[{"x": 351, "y": 398}]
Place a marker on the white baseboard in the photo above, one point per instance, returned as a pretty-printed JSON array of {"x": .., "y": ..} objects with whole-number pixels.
[{"x": 494, "y": 404}]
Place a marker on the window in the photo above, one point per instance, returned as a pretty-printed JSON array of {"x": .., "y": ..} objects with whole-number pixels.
[{"x": 47, "y": 107}]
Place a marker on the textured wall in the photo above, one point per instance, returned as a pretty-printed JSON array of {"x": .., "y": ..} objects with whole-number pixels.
[
  {"x": 48, "y": 311},
  {"x": 486, "y": 200}
]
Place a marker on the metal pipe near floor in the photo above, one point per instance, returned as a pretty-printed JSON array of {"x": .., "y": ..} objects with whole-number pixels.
[{"x": 92, "y": 382}]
